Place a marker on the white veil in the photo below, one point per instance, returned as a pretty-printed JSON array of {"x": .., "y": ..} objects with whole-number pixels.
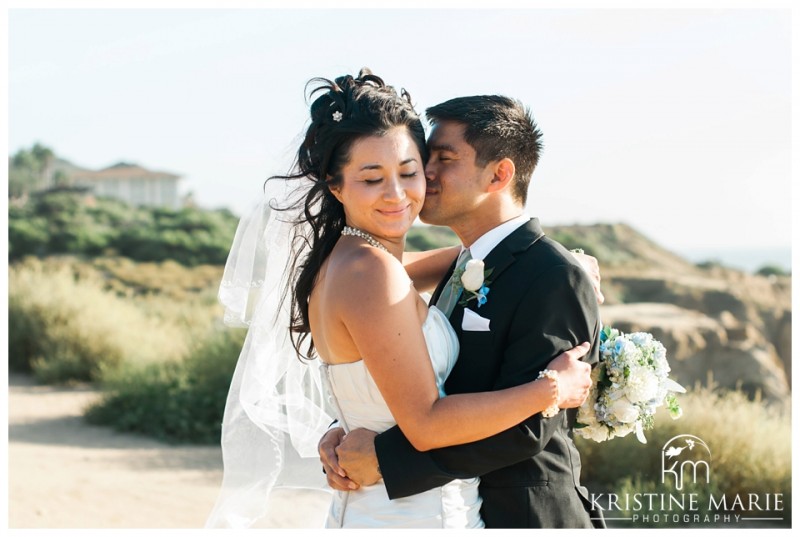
[{"x": 275, "y": 405}]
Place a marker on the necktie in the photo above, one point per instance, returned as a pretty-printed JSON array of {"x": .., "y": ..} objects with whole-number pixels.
[{"x": 453, "y": 288}]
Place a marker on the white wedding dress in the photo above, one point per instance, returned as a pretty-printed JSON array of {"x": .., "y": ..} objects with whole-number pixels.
[{"x": 359, "y": 404}]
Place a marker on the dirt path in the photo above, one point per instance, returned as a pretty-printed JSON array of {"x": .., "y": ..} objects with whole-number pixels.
[{"x": 64, "y": 473}]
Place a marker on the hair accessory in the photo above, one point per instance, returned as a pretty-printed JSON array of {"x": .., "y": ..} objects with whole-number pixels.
[{"x": 337, "y": 116}]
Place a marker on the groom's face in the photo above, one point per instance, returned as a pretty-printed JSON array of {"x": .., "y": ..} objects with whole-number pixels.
[{"x": 455, "y": 182}]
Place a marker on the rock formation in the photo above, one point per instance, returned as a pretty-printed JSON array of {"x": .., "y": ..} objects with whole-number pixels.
[{"x": 717, "y": 324}]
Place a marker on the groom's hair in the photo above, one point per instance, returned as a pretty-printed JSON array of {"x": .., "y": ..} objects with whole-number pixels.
[{"x": 496, "y": 127}]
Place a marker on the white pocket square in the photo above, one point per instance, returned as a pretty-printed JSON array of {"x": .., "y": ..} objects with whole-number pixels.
[{"x": 474, "y": 322}]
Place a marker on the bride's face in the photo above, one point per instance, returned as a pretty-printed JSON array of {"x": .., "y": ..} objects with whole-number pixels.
[{"x": 383, "y": 184}]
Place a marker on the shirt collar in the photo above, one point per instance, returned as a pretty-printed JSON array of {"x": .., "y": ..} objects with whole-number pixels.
[{"x": 489, "y": 240}]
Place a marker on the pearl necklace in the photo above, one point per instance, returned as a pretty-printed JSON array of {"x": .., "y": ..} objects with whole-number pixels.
[{"x": 347, "y": 230}]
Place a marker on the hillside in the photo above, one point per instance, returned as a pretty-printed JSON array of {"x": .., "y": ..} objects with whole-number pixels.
[
  {"x": 619, "y": 246},
  {"x": 616, "y": 246}
]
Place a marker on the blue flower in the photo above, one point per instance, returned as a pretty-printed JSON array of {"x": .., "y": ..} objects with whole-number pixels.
[{"x": 482, "y": 292}]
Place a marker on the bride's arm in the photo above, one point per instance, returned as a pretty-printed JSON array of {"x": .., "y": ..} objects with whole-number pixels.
[
  {"x": 427, "y": 268},
  {"x": 378, "y": 307}
]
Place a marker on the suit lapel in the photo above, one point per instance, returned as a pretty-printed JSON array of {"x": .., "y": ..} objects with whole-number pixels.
[
  {"x": 505, "y": 253},
  {"x": 500, "y": 258}
]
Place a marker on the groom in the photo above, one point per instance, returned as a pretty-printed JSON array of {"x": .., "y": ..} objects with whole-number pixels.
[{"x": 483, "y": 151}]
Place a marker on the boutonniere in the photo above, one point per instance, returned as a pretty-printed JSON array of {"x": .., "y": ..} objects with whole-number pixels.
[{"x": 473, "y": 281}]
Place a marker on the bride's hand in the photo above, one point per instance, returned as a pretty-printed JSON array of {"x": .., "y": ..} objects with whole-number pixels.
[
  {"x": 357, "y": 457},
  {"x": 592, "y": 268},
  {"x": 574, "y": 376}
]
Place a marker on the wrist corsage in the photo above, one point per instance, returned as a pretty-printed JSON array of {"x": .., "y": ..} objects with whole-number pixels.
[{"x": 553, "y": 409}]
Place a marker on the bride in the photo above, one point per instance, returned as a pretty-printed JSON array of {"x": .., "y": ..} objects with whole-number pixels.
[{"x": 384, "y": 353}]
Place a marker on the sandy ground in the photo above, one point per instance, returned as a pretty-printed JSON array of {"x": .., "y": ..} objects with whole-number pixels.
[{"x": 64, "y": 473}]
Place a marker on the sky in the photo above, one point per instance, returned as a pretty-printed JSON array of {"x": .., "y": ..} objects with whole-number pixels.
[{"x": 674, "y": 121}]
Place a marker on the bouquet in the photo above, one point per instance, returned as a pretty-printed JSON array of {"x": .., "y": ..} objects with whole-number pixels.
[{"x": 629, "y": 384}]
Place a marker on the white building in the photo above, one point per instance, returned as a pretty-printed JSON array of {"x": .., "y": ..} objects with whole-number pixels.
[{"x": 132, "y": 184}]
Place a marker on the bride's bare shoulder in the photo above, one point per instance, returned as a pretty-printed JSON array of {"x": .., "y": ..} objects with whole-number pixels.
[{"x": 367, "y": 273}]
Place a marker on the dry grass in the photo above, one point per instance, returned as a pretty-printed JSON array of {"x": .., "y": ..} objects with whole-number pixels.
[{"x": 65, "y": 325}]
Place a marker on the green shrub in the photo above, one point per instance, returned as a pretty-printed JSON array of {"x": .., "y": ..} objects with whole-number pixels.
[
  {"x": 62, "y": 328},
  {"x": 180, "y": 401},
  {"x": 421, "y": 238},
  {"x": 25, "y": 332},
  {"x": 69, "y": 222},
  {"x": 189, "y": 236},
  {"x": 710, "y": 264},
  {"x": 27, "y": 236},
  {"x": 773, "y": 270}
]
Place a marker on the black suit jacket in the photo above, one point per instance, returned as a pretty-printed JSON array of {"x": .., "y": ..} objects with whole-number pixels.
[{"x": 540, "y": 304}]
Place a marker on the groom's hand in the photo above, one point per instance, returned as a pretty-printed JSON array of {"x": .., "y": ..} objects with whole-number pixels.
[
  {"x": 337, "y": 477},
  {"x": 357, "y": 456}
]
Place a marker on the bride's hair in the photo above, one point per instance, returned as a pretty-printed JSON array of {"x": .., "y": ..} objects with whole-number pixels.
[{"x": 345, "y": 110}]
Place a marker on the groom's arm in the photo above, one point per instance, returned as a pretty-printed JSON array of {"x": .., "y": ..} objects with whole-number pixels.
[
  {"x": 426, "y": 269},
  {"x": 558, "y": 312}
]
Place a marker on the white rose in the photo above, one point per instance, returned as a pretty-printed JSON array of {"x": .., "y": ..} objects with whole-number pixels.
[
  {"x": 472, "y": 279},
  {"x": 624, "y": 411},
  {"x": 642, "y": 385},
  {"x": 596, "y": 433}
]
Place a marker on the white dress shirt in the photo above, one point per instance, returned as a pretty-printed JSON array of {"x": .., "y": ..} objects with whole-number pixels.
[{"x": 489, "y": 240}]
